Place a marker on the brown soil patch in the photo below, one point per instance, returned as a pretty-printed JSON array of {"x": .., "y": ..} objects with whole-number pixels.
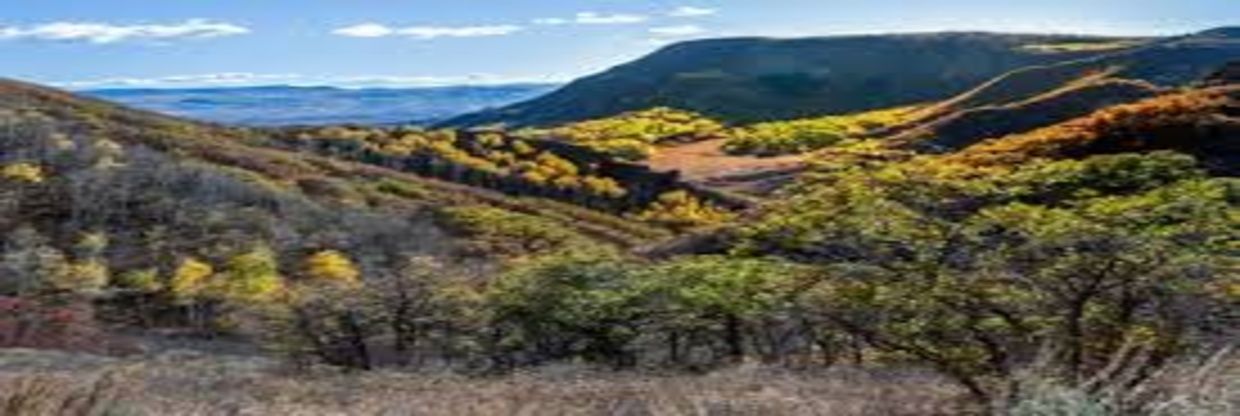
[{"x": 705, "y": 163}]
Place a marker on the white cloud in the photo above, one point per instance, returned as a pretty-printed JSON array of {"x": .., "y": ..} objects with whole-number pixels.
[
  {"x": 552, "y": 21},
  {"x": 690, "y": 11},
  {"x": 431, "y": 32},
  {"x": 684, "y": 30},
  {"x": 375, "y": 30},
  {"x": 101, "y": 33},
  {"x": 593, "y": 18},
  {"x": 365, "y": 30}
]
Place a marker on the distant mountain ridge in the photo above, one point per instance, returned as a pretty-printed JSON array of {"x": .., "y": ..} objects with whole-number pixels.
[
  {"x": 295, "y": 105},
  {"x": 760, "y": 79}
]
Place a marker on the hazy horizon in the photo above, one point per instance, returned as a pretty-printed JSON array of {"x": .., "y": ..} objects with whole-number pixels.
[
  {"x": 309, "y": 86},
  {"x": 81, "y": 44}
]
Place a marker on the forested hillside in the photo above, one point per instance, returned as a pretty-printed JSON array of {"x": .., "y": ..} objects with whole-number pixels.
[
  {"x": 160, "y": 222},
  {"x": 1039, "y": 96},
  {"x": 749, "y": 79},
  {"x": 1073, "y": 234}
]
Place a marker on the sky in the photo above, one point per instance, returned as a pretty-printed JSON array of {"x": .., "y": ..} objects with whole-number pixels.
[{"x": 83, "y": 44}]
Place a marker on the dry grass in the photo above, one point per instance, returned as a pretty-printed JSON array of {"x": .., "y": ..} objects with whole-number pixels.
[
  {"x": 190, "y": 383},
  {"x": 1205, "y": 387},
  {"x": 31, "y": 383},
  {"x": 96, "y": 394}
]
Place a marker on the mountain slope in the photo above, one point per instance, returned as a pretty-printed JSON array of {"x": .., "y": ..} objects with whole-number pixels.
[
  {"x": 1195, "y": 131},
  {"x": 969, "y": 126},
  {"x": 1167, "y": 62},
  {"x": 1043, "y": 95},
  {"x": 1204, "y": 123},
  {"x": 161, "y": 188},
  {"x": 280, "y": 105},
  {"x": 755, "y": 79},
  {"x": 1227, "y": 75}
]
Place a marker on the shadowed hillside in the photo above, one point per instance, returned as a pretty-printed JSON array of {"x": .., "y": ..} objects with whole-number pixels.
[
  {"x": 749, "y": 79},
  {"x": 1167, "y": 62},
  {"x": 1227, "y": 75},
  {"x": 966, "y": 127}
]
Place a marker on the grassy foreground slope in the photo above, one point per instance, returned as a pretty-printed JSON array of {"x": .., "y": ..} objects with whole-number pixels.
[{"x": 176, "y": 383}]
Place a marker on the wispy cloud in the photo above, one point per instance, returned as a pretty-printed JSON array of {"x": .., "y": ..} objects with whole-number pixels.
[
  {"x": 375, "y": 30},
  {"x": 552, "y": 21},
  {"x": 240, "y": 79},
  {"x": 690, "y": 11},
  {"x": 674, "y": 31},
  {"x": 213, "y": 79},
  {"x": 102, "y": 33},
  {"x": 594, "y": 18},
  {"x": 365, "y": 30}
]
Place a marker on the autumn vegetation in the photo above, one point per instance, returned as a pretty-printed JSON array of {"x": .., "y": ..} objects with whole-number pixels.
[
  {"x": 635, "y": 135},
  {"x": 1087, "y": 264},
  {"x": 518, "y": 164},
  {"x": 806, "y": 135}
]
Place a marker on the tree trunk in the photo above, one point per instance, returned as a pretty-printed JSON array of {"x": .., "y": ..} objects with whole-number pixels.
[
  {"x": 1075, "y": 332},
  {"x": 733, "y": 338},
  {"x": 359, "y": 354}
]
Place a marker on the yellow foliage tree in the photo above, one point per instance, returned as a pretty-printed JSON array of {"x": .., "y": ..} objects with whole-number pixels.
[
  {"x": 522, "y": 148},
  {"x": 252, "y": 276},
  {"x": 331, "y": 266},
  {"x": 189, "y": 279},
  {"x": 23, "y": 172},
  {"x": 144, "y": 280},
  {"x": 83, "y": 276},
  {"x": 680, "y": 209},
  {"x": 606, "y": 187}
]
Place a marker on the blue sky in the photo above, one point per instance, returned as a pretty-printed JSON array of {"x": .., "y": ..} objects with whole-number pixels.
[{"x": 166, "y": 43}]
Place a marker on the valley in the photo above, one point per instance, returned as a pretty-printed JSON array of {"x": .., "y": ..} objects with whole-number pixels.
[
  {"x": 978, "y": 223},
  {"x": 286, "y": 105}
]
